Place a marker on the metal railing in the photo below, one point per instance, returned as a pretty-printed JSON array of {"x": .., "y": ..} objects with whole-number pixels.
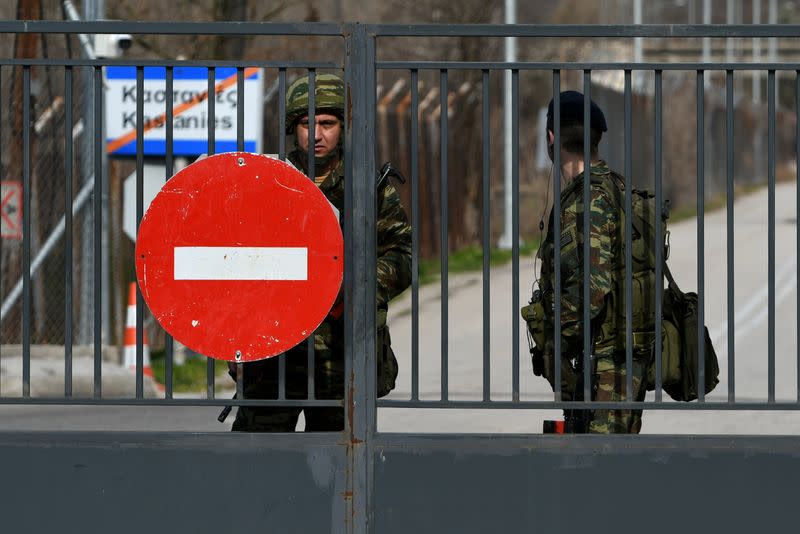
[
  {"x": 556, "y": 68},
  {"x": 361, "y": 69}
]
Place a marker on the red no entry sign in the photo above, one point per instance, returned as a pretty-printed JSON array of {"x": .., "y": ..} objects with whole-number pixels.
[{"x": 239, "y": 256}]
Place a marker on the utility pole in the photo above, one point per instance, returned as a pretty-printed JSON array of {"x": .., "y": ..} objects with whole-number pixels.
[
  {"x": 92, "y": 10},
  {"x": 506, "y": 239}
]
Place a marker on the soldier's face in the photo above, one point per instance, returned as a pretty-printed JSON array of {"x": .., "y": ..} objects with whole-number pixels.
[{"x": 326, "y": 134}]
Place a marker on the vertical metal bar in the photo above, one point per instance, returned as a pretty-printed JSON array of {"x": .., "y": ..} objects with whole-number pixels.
[
  {"x": 239, "y": 380},
  {"x": 771, "y": 237},
  {"x": 371, "y": 101},
  {"x": 515, "y": 235},
  {"x": 359, "y": 312},
  {"x": 169, "y": 346},
  {"x": 797, "y": 188},
  {"x": 68, "y": 239},
  {"x": 414, "y": 234},
  {"x": 486, "y": 226},
  {"x": 312, "y": 126},
  {"x": 557, "y": 230},
  {"x": 282, "y": 113},
  {"x": 282, "y": 155},
  {"x": 729, "y": 166},
  {"x": 588, "y": 348},
  {"x": 312, "y": 133},
  {"x": 1, "y": 166},
  {"x": 701, "y": 367},
  {"x": 26, "y": 231},
  {"x": 98, "y": 226},
  {"x": 628, "y": 242},
  {"x": 211, "y": 105},
  {"x": 444, "y": 245},
  {"x": 212, "y": 75},
  {"x": 240, "y": 109},
  {"x": 240, "y": 148},
  {"x": 659, "y": 235},
  {"x": 139, "y": 214}
]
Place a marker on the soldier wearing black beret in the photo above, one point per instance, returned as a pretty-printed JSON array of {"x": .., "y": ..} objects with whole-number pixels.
[{"x": 606, "y": 277}]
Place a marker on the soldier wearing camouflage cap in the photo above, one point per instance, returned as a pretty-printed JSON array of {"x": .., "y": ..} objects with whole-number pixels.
[
  {"x": 606, "y": 237},
  {"x": 393, "y": 275}
]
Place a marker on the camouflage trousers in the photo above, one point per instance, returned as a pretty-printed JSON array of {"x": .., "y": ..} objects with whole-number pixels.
[
  {"x": 261, "y": 378},
  {"x": 610, "y": 380},
  {"x": 260, "y": 381}
]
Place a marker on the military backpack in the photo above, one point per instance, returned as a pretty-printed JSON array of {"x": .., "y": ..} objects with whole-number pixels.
[{"x": 680, "y": 351}]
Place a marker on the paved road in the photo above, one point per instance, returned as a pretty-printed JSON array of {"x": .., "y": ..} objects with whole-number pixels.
[{"x": 466, "y": 341}]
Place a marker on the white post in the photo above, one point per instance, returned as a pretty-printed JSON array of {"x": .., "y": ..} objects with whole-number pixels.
[
  {"x": 757, "y": 53},
  {"x": 507, "y": 240},
  {"x": 637, "y": 42},
  {"x": 729, "y": 19},
  {"x": 773, "y": 44},
  {"x": 706, "y": 40}
]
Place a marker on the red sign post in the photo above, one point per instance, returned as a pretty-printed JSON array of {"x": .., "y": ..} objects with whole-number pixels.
[{"x": 239, "y": 256}]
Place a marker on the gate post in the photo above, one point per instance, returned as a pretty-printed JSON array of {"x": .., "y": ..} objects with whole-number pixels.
[{"x": 360, "y": 274}]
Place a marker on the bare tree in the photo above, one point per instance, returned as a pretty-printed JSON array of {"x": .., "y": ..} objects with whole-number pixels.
[{"x": 198, "y": 46}]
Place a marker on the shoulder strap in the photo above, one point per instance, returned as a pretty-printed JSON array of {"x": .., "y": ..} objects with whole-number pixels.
[
  {"x": 637, "y": 221},
  {"x": 670, "y": 279}
]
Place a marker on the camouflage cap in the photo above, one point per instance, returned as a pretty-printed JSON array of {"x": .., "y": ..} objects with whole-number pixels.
[{"x": 328, "y": 97}]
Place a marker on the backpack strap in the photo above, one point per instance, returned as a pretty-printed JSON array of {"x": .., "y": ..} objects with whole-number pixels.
[
  {"x": 670, "y": 279},
  {"x": 610, "y": 184}
]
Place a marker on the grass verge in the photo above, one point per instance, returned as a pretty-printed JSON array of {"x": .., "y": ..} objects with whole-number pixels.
[
  {"x": 189, "y": 377},
  {"x": 469, "y": 259}
]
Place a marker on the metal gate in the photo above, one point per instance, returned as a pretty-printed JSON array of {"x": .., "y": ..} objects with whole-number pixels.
[{"x": 363, "y": 479}]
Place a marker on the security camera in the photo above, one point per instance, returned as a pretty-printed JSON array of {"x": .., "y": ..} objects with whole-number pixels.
[
  {"x": 111, "y": 45},
  {"x": 124, "y": 40}
]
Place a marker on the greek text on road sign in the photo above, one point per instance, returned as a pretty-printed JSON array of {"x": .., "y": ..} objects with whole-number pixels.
[
  {"x": 190, "y": 110},
  {"x": 239, "y": 256}
]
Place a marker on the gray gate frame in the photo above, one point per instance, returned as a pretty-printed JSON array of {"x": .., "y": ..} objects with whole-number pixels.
[{"x": 363, "y": 481}]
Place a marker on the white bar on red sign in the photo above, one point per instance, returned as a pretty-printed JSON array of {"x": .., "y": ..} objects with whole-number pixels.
[{"x": 241, "y": 263}]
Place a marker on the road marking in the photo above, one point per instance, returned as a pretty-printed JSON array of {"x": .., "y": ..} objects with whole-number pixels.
[
  {"x": 745, "y": 320},
  {"x": 241, "y": 263}
]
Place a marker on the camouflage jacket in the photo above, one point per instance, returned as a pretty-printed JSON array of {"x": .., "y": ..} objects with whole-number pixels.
[
  {"x": 605, "y": 255},
  {"x": 393, "y": 239}
]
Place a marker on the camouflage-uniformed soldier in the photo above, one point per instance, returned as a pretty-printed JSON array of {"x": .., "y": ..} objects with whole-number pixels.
[
  {"x": 393, "y": 276},
  {"x": 606, "y": 266}
]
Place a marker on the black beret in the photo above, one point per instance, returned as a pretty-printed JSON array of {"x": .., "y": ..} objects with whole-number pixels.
[{"x": 572, "y": 111}]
